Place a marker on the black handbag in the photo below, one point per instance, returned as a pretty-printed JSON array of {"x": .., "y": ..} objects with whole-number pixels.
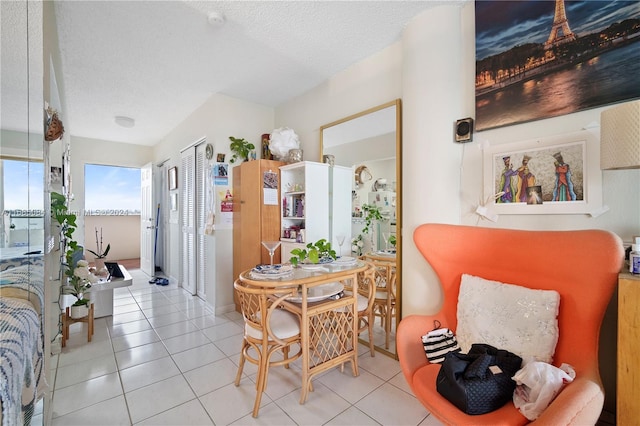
[{"x": 478, "y": 382}]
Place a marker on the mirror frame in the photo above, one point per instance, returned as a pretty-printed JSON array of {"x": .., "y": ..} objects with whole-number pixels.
[{"x": 398, "y": 104}]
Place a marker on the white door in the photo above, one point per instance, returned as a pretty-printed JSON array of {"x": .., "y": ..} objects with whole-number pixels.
[
  {"x": 201, "y": 217},
  {"x": 147, "y": 221},
  {"x": 187, "y": 220}
]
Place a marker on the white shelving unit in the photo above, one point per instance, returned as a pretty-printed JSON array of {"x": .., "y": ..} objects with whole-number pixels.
[
  {"x": 341, "y": 181},
  {"x": 316, "y": 200}
]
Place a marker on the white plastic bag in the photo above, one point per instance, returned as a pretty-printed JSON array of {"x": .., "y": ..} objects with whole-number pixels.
[{"x": 538, "y": 383}]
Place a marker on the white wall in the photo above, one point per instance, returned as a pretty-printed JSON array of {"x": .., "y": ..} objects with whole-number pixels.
[
  {"x": 432, "y": 69},
  {"x": 433, "y": 98},
  {"x": 115, "y": 229},
  {"x": 372, "y": 81},
  {"x": 217, "y": 119}
]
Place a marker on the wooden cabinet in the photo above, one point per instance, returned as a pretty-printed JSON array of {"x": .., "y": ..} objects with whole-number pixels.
[
  {"x": 628, "y": 369},
  {"x": 316, "y": 204},
  {"x": 256, "y": 213}
]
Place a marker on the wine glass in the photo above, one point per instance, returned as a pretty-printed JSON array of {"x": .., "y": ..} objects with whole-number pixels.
[
  {"x": 385, "y": 237},
  {"x": 271, "y": 246},
  {"x": 340, "y": 239}
]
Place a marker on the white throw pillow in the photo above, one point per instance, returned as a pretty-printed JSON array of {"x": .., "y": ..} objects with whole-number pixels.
[{"x": 507, "y": 316}]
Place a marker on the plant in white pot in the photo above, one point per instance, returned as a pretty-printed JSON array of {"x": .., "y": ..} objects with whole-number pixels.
[
  {"x": 78, "y": 284},
  {"x": 318, "y": 252},
  {"x": 100, "y": 254}
]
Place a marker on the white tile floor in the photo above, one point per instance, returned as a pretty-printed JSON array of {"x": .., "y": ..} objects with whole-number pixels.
[{"x": 163, "y": 359}]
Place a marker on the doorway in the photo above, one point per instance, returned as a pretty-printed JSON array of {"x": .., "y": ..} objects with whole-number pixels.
[{"x": 112, "y": 211}]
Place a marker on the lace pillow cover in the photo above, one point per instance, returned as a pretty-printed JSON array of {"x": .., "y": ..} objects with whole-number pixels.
[{"x": 507, "y": 316}]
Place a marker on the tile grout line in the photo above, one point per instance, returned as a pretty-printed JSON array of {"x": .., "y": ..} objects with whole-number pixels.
[{"x": 191, "y": 313}]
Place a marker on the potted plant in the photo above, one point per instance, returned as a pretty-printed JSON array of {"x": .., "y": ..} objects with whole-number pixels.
[
  {"x": 67, "y": 223},
  {"x": 77, "y": 275},
  {"x": 370, "y": 213},
  {"x": 100, "y": 254},
  {"x": 78, "y": 284},
  {"x": 317, "y": 252},
  {"x": 241, "y": 148}
]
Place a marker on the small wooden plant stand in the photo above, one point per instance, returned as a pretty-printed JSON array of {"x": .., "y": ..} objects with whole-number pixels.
[{"x": 67, "y": 321}]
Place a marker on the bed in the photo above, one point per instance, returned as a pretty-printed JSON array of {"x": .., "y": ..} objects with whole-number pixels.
[
  {"x": 22, "y": 378},
  {"x": 12, "y": 257}
]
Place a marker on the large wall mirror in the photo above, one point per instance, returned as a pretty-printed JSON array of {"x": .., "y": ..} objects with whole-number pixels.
[
  {"x": 371, "y": 143},
  {"x": 23, "y": 175}
]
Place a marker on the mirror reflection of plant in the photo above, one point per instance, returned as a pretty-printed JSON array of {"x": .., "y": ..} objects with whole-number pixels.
[
  {"x": 393, "y": 240},
  {"x": 321, "y": 249},
  {"x": 371, "y": 213},
  {"x": 241, "y": 148},
  {"x": 357, "y": 243}
]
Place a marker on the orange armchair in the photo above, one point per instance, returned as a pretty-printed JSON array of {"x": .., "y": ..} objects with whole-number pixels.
[{"x": 582, "y": 266}]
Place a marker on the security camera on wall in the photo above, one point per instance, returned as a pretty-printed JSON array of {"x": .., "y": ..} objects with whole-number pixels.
[{"x": 464, "y": 130}]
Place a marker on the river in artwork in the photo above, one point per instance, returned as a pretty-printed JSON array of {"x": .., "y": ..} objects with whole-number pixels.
[{"x": 605, "y": 79}]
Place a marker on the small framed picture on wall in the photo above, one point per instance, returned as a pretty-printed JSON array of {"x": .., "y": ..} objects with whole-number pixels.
[
  {"x": 174, "y": 202},
  {"x": 173, "y": 178}
]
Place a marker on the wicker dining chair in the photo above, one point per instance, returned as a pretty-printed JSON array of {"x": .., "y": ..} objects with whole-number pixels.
[
  {"x": 365, "y": 295},
  {"x": 268, "y": 329},
  {"x": 384, "y": 304}
]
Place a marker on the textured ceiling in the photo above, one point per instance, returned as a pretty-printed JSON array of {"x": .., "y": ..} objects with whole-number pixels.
[
  {"x": 20, "y": 57},
  {"x": 157, "y": 61}
]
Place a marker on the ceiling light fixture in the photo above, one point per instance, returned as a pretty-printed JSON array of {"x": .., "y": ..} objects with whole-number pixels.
[
  {"x": 216, "y": 19},
  {"x": 123, "y": 121}
]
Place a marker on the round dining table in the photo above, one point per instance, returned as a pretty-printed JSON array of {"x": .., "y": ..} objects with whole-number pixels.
[{"x": 329, "y": 325}]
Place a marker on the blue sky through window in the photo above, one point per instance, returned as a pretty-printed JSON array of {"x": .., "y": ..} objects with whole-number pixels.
[
  {"x": 111, "y": 190},
  {"x": 23, "y": 185}
]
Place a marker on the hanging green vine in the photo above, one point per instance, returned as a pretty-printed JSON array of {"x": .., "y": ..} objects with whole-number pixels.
[
  {"x": 66, "y": 220},
  {"x": 371, "y": 213}
]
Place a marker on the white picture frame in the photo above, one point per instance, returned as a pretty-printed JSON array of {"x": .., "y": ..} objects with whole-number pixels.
[
  {"x": 580, "y": 150},
  {"x": 173, "y": 178},
  {"x": 174, "y": 201}
]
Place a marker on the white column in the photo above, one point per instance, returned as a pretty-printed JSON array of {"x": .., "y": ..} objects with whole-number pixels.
[{"x": 434, "y": 96}]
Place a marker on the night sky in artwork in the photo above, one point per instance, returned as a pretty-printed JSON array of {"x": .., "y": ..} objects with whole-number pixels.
[{"x": 501, "y": 25}]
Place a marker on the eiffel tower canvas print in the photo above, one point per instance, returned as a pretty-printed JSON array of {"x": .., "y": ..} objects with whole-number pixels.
[{"x": 541, "y": 59}]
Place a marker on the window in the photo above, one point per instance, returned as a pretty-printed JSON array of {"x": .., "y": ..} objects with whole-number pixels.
[
  {"x": 23, "y": 187},
  {"x": 111, "y": 190},
  {"x": 22, "y": 201}
]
